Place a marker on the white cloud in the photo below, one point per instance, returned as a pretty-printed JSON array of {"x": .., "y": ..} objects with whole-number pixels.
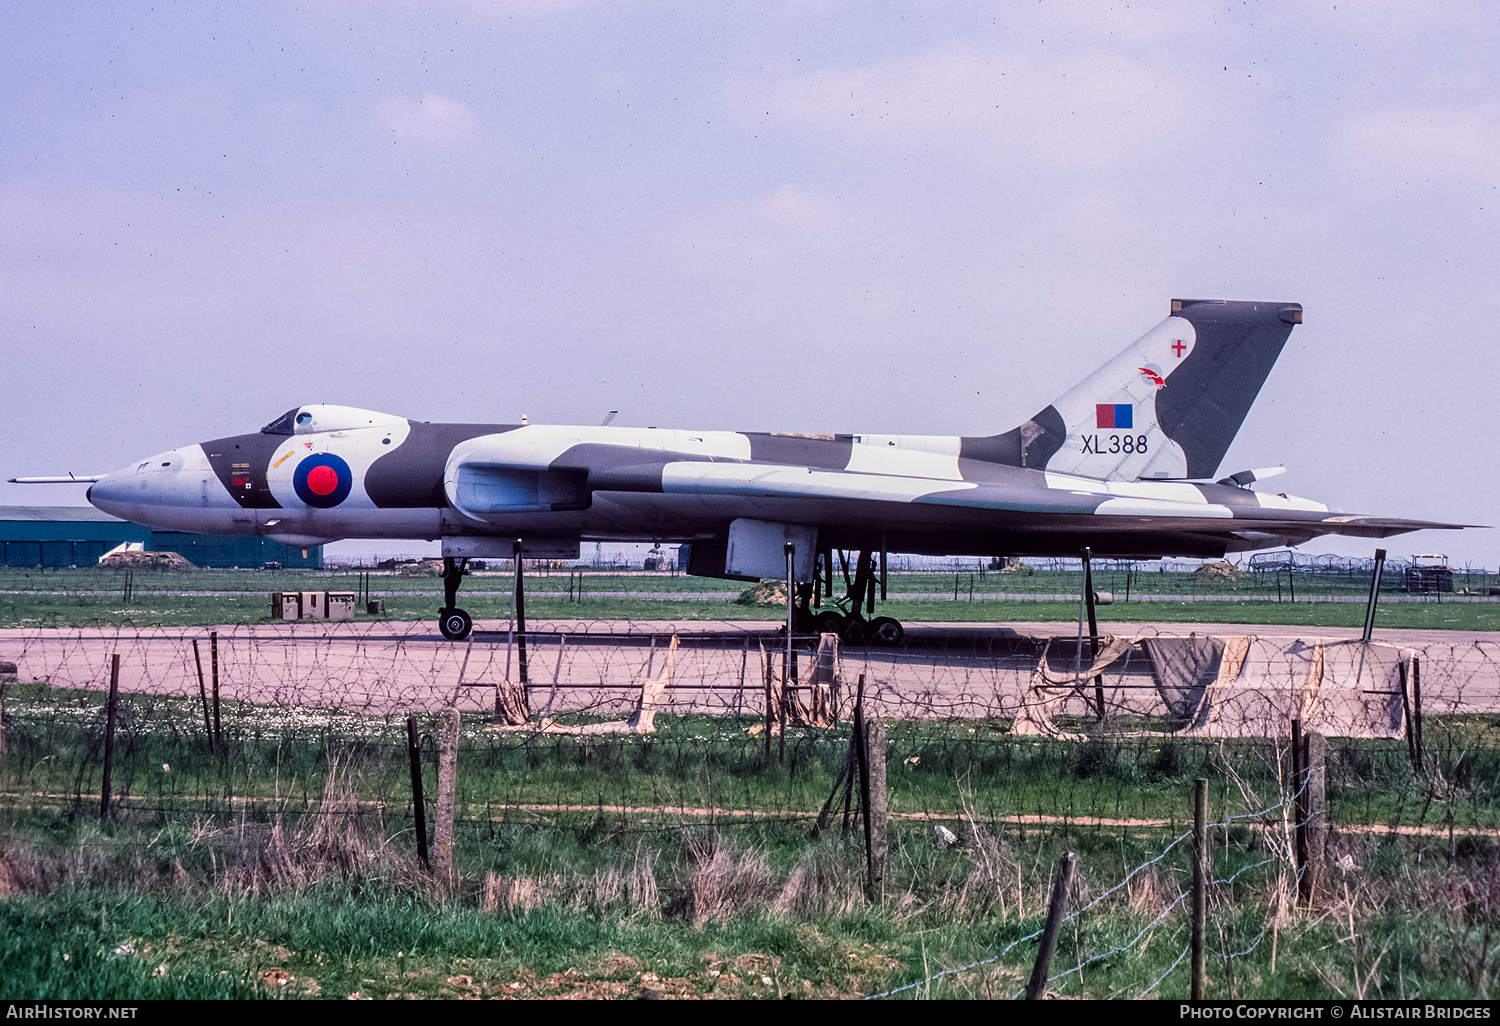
[
  {"x": 1413, "y": 147},
  {"x": 469, "y": 8},
  {"x": 1128, "y": 21},
  {"x": 1389, "y": 18},
  {"x": 787, "y": 221},
  {"x": 433, "y": 118},
  {"x": 1089, "y": 109}
]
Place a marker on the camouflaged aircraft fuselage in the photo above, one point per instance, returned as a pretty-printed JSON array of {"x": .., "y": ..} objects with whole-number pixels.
[{"x": 1123, "y": 463}]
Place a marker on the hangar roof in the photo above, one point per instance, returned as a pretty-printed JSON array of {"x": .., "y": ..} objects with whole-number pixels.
[{"x": 55, "y": 514}]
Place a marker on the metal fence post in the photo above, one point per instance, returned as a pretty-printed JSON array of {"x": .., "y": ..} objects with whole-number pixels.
[
  {"x": 770, "y": 711},
  {"x": 1299, "y": 801},
  {"x": 789, "y": 667},
  {"x": 1374, "y": 594},
  {"x": 208, "y": 727},
  {"x": 520, "y": 605},
  {"x": 109, "y": 733},
  {"x": 1416, "y": 702},
  {"x": 419, "y": 809},
  {"x": 8, "y": 675},
  {"x": 213, "y": 661},
  {"x": 1411, "y": 737},
  {"x": 1088, "y": 598},
  {"x": 1200, "y": 886}
]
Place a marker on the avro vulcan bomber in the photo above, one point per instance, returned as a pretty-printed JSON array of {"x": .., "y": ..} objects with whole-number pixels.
[{"x": 1124, "y": 463}]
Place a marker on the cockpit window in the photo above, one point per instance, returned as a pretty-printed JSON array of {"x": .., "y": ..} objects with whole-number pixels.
[
  {"x": 282, "y": 425},
  {"x": 304, "y": 419}
]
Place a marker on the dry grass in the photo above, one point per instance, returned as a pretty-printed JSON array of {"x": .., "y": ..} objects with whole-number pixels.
[
  {"x": 338, "y": 841},
  {"x": 724, "y": 881},
  {"x": 827, "y": 881},
  {"x": 630, "y": 890}
]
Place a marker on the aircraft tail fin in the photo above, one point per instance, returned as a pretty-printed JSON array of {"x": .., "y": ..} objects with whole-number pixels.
[{"x": 1166, "y": 407}]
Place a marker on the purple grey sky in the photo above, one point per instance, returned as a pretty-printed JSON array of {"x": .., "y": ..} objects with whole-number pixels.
[{"x": 802, "y": 217}]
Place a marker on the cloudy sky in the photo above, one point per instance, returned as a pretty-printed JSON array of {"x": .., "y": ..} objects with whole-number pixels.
[{"x": 800, "y": 216}]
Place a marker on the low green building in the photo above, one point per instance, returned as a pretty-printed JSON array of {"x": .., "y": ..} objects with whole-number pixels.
[
  {"x": 233, "y": 550},
  {"x": 61, "y": 536}
]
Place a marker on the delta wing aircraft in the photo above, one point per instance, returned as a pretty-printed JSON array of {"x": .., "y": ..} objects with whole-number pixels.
[{"x": 1124, "y": 463}]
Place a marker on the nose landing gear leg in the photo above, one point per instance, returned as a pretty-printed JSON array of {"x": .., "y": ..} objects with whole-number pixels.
[{"x": 452, "y": 621}]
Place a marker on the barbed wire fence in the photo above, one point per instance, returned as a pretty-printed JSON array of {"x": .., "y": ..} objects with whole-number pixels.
[
  {"x": 362, "y": 685},
  {"x": 992, "y": 734}
]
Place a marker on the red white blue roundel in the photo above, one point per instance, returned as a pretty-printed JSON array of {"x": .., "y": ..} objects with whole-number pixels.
[{"x": 323, "y": 480}]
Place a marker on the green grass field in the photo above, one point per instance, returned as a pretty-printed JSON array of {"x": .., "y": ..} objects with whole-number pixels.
[
  {"x": 382, "y": 933},
  {"x": 282, "y": 864},
  {"x": 92, "y": 597},
  {"x": 276, "y": 760}
]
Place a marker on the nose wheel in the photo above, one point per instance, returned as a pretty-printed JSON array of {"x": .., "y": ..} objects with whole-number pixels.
[
  {"x": 455, "y": 624},
  {"x": 452, "y": 621}
]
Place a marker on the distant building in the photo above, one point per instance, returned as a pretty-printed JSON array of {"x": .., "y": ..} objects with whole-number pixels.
[{"x": 60, "y": 536}]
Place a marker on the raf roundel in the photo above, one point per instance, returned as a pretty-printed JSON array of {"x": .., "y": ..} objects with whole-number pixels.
[{"x": 322, "y": 480}]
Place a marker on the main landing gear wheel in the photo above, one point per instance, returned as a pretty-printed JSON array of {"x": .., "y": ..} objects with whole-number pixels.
[
  {"x": 887, "y": 631},
  {"x": 828, "y": 622},
  {"x": 856, "y": 631},
  {"x": 455, "y": 624}
]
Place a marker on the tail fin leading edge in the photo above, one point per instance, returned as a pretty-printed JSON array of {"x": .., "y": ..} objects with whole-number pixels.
[{"x": 1168, "y": 406}]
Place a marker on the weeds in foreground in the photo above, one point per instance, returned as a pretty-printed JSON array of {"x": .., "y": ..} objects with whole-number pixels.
[
  {"x": 241, "y": 896},
  {"x": 334, "y": 905}
]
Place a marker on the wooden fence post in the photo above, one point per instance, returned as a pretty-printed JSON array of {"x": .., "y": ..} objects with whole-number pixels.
[
  {"x": 1037, "y": 987},
  {"x": 442, "y": 829},
  {"x": 109, "y": 733},
  {"x": 874, "y": 798},
  {"x": 1315, "y": 814}
]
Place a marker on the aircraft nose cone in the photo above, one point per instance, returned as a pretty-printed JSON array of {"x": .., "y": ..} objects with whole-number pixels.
[
  {"x": 110, "y": 494},
  {"x": 171, "y": 491},
  {"x": 146, "y": 491}
]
